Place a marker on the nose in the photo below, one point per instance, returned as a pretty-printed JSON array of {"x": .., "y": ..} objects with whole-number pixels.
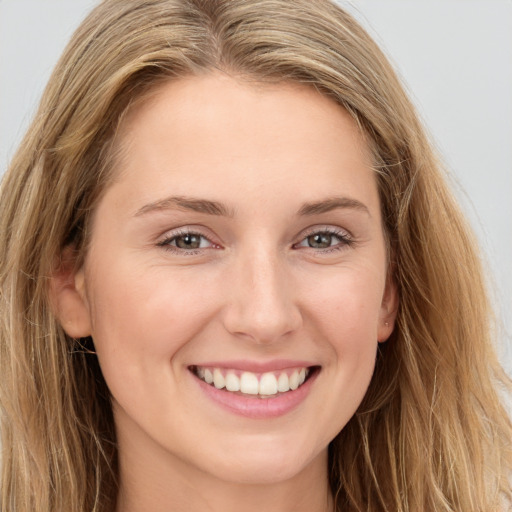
[{"x": 262, "y": 302}]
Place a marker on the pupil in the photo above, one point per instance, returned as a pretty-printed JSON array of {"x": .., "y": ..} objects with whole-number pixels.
[
  {"x": 319, "y": 240},
  {"x": 188, "y": 242}
]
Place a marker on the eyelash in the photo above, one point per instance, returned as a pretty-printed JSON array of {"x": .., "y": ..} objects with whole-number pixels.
[{"x": 345, "y": 240}]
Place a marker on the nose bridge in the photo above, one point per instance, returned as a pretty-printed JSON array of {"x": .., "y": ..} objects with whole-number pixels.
[{"x": 262, "y": 302}]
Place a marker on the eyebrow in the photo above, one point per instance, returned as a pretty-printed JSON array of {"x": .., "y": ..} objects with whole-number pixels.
[
  {"x": 333, "y": 203},
  {"x": 188, "y": 204},
  {"x": 215, "y": 208}
]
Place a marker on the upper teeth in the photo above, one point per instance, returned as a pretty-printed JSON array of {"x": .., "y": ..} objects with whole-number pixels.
[{"x": 267, "y": 384}]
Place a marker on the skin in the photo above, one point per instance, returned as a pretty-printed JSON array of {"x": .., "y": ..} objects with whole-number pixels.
[{"x": 255, "y": 290}]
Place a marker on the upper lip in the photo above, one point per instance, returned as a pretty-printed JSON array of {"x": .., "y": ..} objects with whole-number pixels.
[{"x": 257, "y": 366}]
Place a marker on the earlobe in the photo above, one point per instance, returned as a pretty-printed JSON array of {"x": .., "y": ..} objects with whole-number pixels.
[
  {"x": 389, "y": 310},
  {"x": 68, "y": 298}
]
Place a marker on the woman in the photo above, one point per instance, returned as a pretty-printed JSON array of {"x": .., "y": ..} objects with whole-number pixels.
[{"x": 232, "y": 276}]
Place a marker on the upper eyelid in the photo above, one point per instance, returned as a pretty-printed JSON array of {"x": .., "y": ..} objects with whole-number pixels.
[
  {"x": 178, "y": 235},
  {"x": 186, "y": 230},
  {"x": 170, "y": 235},
  {"x": 334, "y": 230}
]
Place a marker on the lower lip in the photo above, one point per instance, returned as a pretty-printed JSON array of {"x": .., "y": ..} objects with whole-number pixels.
[{"x": 254, "y": 407}]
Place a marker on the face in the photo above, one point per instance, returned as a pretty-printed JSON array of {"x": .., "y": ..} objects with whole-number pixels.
[{"x": 236, "y": 282}]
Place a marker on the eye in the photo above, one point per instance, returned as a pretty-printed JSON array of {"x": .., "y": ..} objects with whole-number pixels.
[
  {"x": 332, "y": 239},
  {"x": 320, "y": 240},
  {"x": 189, "y": 241},
  {"x": 186, "y": 241}
]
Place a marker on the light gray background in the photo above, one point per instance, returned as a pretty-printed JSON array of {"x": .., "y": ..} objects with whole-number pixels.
[{"x": 454, "y": 55}]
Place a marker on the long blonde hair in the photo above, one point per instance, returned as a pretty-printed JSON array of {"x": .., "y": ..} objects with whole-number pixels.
[{"x": 431, "y": 433}]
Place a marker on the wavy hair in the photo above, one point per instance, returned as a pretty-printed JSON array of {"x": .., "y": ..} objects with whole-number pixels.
[{"x": 431, "y": 434}]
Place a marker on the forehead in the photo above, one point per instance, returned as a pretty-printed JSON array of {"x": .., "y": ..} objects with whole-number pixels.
[
  {"x": 207, "y": 100},
  {"x": 215, "y": 132}
]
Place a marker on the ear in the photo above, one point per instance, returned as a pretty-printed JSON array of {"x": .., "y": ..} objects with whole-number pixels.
[
  {"x": 68, "y": 297},
  {"x": 388, "y": 310}
]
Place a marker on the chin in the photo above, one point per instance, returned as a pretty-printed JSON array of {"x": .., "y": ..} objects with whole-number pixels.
[{"x": 258, "y": 463}]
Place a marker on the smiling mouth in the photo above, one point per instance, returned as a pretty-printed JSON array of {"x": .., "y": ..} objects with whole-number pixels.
[{"x": 256, "y": 385}]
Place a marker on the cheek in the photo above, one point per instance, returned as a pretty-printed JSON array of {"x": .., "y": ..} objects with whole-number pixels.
[
  {"x": 351, "y": 332},
  {"x": 131, "y": 305},
  {"x": 138, "y": 321},
  {"x": 347, "y": 312},
  {"x": 347, "y": 306}
]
